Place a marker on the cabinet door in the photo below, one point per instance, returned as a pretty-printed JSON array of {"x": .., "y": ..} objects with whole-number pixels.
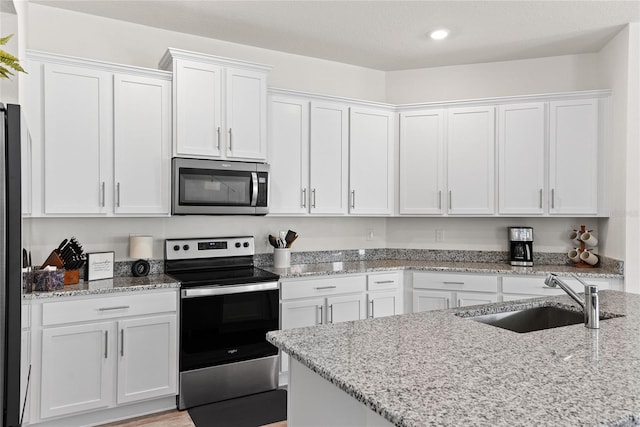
[
  {"x": 573, "y": 157},
  {"x": 299, "y": 314},
  {"x": 288, "y": 155},
  {"x": 77, "y": 139},
  {"x": 382, "y": 304},
  {"x": 421, "y": 162},
  {"x": 198, "y": 109},
  {"x": 424, "y": 300},
  {"x": 521, "y": 139},
  {"x": 246, "y": 114},
  {"x": 371, "y": 162},
  {"x": 25, "y": 374},
  {"x": 471, "y": 160},
  {"x": 77, "y": 368},
  {"x": 346, "y": 308},
  {"x": 328, "y": 157},
  {"x": 465, "y": 299},
  {"x": 147, "y": 358},
  {"x": 142, "y": 135}
]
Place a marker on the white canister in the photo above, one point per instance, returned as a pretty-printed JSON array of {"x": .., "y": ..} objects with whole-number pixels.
[
  {"x": 589, "y": 258},
  {"x": 589, "y": 239},
  {"x": 281, "y": 257},
  {"x": 574, "y": 255}
]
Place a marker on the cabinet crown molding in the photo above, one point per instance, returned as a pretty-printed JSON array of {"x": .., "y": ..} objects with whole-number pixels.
[
  {"x": 166, "y": 62},
  {"x": 54, "y": 58}
]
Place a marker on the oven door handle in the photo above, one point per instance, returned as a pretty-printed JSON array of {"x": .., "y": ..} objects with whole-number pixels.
[
  {"x": 206, "y": 291},
  {"x": 254, "y": 186}
]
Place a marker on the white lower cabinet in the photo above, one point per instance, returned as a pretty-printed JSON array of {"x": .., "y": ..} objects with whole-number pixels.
[
  {"x": 310, "y": 302},
  {"x": 102, "y": 352},
  {"x": 438, "y": 291},
  {"x": 522, "y": 287},
  {"x": 384, "y": 295}
]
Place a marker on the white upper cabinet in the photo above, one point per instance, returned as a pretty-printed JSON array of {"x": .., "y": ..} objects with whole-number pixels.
[
  {"x": 521, "y": 158},
  {"x": 288, "y": 154},
  {"x": 142, "y": 144},
  {"x": 308, "y": 154},
  {"x": 76, "y": 139},
  {"x": 471, "y": 160},
  {"x": 421, "y": 162},
  {"x": 100, "y": 138},
  {"x": 371, "y": 161},
  {"x": 329, "y": 158},
  {"x": 573, "y": 160},
  {"x": 220, "y": 107}
]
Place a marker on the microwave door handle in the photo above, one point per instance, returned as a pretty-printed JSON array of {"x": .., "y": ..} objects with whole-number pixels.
[{"x": 254, "y": 185}]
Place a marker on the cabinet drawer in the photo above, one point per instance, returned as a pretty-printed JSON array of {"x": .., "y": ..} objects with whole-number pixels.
[
  {"x": 325, "y": 286},
  {"x": 535, "y": 285},
  {"x": 378, "y": 282},
  {"x": 108, "y": 307},
  {"x": 455, "y": 282}
]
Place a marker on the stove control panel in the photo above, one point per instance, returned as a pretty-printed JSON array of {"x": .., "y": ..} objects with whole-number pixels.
[{"x": 209, "y": 247}]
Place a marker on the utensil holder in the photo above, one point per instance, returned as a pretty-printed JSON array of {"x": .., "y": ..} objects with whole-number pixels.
[{"x": 281, "y": 257}]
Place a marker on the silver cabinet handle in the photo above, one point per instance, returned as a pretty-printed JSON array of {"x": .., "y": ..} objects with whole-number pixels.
[
  {"x": 541, "y": 198},
  {"x": 384, "y": 281},
  {"x": 453, "y": 283},
  {"x": 372, "y": 309},
  {"x": 320, "y": 307},
  {"x": 459, "y": 302},
  {"x": 106, "y": 344},
  {"x": 118, "y": 307},
  {"x": 313, "y": 198},
  {"x": 450, "y": 201},
  {"x": 330, "y": 313},
  {"x": 102, "y": 194},
  {"x": 440, "y": 199},
  {"x": 118, "y": 194},
  {"x": 324, "y": 287},
  {"x": 304, "y": 197},
  {"x": 230, "y": 140},
  {"x": 218, "y": 141},
  {"x": 553, "y": 198},
  {"x": 353, "y": 199},
  {"x": 447, "y": 302},
  {"x": 121, "y": 342}
]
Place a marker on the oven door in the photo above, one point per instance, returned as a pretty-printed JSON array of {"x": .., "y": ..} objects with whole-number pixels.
[
  {"x": 217, "y": 187},
  {"x": 226, "y": 324}
]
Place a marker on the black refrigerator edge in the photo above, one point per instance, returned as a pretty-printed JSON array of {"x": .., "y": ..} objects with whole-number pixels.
[{"x": 10, "y": 264}]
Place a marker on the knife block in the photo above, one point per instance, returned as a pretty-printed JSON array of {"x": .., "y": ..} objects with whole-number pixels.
[{"x": 53, "y": 260}]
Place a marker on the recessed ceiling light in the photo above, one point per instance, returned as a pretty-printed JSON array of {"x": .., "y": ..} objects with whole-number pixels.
[{"x": 439, "y": 34}]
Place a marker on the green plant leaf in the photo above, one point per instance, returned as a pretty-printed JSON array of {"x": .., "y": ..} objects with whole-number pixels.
[{"x": 4, "y": 40}]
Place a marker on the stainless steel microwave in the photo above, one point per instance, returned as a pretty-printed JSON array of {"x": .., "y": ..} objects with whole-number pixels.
[{"x": 216, "y": 187}]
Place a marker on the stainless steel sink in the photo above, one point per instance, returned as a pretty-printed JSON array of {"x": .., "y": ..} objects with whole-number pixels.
[{"x": 532, "y": 319}]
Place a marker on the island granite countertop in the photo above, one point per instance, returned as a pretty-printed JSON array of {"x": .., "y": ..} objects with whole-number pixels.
[
  {"x": 437, "y": 368},
  {"x": 108, "y": 286}
]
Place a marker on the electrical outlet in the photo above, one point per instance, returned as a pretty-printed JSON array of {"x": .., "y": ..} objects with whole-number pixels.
[
  {"x": 439, "y": 235},
  {"x": 370, "y": 234}
]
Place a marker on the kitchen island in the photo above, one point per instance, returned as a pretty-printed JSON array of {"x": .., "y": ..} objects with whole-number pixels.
[{"x": 441, "y": 368}]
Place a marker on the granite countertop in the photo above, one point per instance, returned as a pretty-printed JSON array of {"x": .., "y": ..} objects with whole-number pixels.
[
  {"x": 369, "y": 266},
  {"x": 108, "y": 286},
  {"x": 436, "y": 368}
]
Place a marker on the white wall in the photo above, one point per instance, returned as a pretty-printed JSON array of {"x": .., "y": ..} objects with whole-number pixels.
[
  {"x": 77, "y": 34},
  {"x": 71, "y": 33},
  {"x": 99, "y": 234},
  {"x": 550, "y": 234},
  {"x": 524, "y": 77}
]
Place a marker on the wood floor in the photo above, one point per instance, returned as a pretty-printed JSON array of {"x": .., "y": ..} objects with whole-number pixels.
[{"x": 173, "y": 418}]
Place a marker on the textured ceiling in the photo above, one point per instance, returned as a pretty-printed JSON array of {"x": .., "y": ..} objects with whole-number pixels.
[{"x": 386, "y": 35}]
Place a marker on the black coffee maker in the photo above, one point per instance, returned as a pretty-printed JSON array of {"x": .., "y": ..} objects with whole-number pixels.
[{"x": 521, "y": 246}]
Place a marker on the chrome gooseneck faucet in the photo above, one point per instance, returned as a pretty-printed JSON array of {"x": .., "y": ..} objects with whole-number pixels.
[{"x": 590, "y": 305}]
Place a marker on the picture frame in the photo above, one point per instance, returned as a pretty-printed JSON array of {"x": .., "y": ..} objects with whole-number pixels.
[{"x": 100, "y": 265}]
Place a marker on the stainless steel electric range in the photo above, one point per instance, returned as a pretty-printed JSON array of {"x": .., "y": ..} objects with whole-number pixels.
[{"x": 226, "y": 308}]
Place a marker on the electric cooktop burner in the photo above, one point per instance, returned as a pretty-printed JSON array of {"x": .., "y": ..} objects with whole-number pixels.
[{"x": 218, "y": 261}]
